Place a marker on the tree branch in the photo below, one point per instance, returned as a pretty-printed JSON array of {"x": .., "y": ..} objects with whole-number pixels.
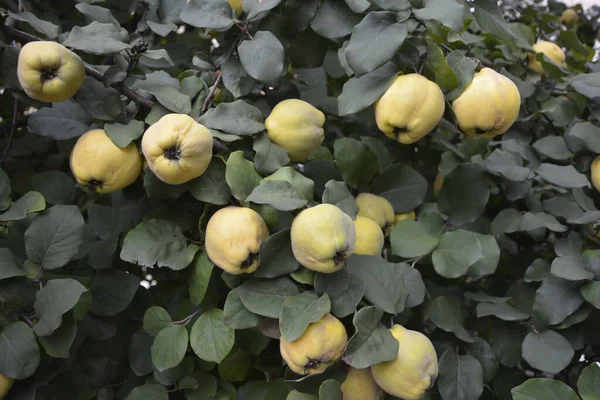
[
  {"x": 13, "y": 128},
  {"x": 132, "y": 95}
]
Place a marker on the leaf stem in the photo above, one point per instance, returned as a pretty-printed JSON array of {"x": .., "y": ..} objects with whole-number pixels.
[
  {"x": 13, "y": 128},
  {"x": 187, "y": 319}
]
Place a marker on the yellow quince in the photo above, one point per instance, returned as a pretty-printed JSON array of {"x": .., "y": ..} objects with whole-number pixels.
[
  {"x": 233, "y": 239},
  {"x": 101, "y": 166},
  {"x": 410, "y": 108},
  {"x": 489, "y": 105},
  {"x": 237, "y": 6},
  {"x": 569, "y": 16},
  {"x": 378, "y": 209},
  {"x": 49, "y": 72},
  {"x": 369, "y": 237},
  {"x": 595, "y": 173},
  {"x": 413, "y": 371},
  {"x": 437, "y": 184},
  {"x": 296, "y": 126},
  {"x": 322, "y": 238},
  {"x": 5, "y": 385},
  {"x": 401, "y": 217},
  {"x": 360, "y": 385},
  {"x": 551, "y": 50},
  {"x": 177, "y": 148},
  {"x": 321, "y": 345}
]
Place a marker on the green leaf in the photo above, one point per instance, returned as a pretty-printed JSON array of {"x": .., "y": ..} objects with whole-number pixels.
[
  {"x": 448, "y": 315},
  {"x": 257, "y": 7},
  {"x": 156, "y": 319},
  {"x": 412, "y": 239},
  {"x": 465, "y": 194},
  {"x": 464, "y": 67},
  {"x": 96, "y": 38},
  {"x": 150, "y": 391},
  {"x": 456, "y": 252},
  {"x": 10, "y": 265},
  {"x": 59, "y": 343},
  {"x": 347, "y": 300},
  {"x": 304, "y": 185},
  {"x": 414, "y": 282},
  {"x": 54, "y": 236},
  {"x": 564, "y": 176},
  {"x": 237, "y": 118},
  {"x": 359, "y": 93},
  {"x": 262, "y": 57},
  {"x": 19, "y": 352},
  {"x": 45, "y": 27},
  {"x": 334, "y": 19},
  {"x": 370, "y": 344},
  {"x": 436, "y": 63},
  {"x": 236, "y": 79},
  {"x": 392, "y": 5},
  {"x": 276, "y": 257},
  {"x": 460, "y": 377},
  {"x": 384, "y": 283},
  {"x": 490, "y": 19},
  {"x": 586, "y": 84},
  {"x": 543, "y": 388},
  {"x": 357, "y": 163},
  {"x": 547, "y": 351},
  {"x": 101, "y": 102},
  {"x": 491, "y": 256},
  {"x": 55, "y": 299},
  {"x": 588, "y": 383},
  {"x": 209, "y": 14},
  {"x": 507, "y": 221},
  {"x": 330, "y": 390},
  {"x": 269, "y": 157},
  {"x": 508, "y": 165},
  {"x": 506, "y": 341},
  {"x": 280, "y": 195},
  {"x": 338, "y": 194},
  {"x": 500, "y": 310},
  {"x": 570, "y": 268},
  {"x": 266, "y": 296},
  {"x": 57, "y": 187},
  {"x": 236, "y": 315},
  {"x": 172, "y": 99},
  {"x": 236, "y": 365},
  {"x": 483, "y": 352},
  {"x": 169, "y": 347},
  {"x": 374, "y": 41},
  {"x": 211, "y": 186},
  {"x": 591, "y": 293},
  {"x": 158, "y": 243},
  {"x": 556, "y": 299},
  {"x": 358, "y": 6},
  {"x": 199, "y": 280},
  {"x": 447, "y": 12},
  {"x": 531, "y": 222},
  {"x": 241, "y": 176},
  {"x": 299, "y": 311},
  {"x": 537, "y": 271},
  {"x": 5, "y": 189},
  {"x": 112, "y": 291},
  {"x": 402, "y": 186},
  {"x": 210, "y": 338},
  {"x": 583, "y": 136},
  {"x": 96, "y": 13},
  {"x": 553, "y": 147},
  {"x": 31, "y": 202},
  {"x": 123, "y": 135}
]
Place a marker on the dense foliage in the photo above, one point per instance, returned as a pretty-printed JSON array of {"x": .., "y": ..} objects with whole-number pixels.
[{"x": 114, "y": 296}]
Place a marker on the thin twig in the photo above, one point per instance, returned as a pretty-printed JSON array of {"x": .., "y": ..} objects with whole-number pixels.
[
  {"x": 13, "y": 128},
  {"x": 211, "y": 94},
  {"x": 132, "y": 95}
]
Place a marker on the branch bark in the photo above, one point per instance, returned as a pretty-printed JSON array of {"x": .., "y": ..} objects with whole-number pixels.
[{"x": 132, "y": 95}]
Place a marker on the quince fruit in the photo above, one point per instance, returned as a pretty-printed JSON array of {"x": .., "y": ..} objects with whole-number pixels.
[
  {"x": 378, "y": 209},
  {"x": 233, "y": 239},
  {"x": 321, "y": 345},
  {"x": 437, "y": 184},
  {"x": 401, "y": 217},
  {"x": 296, "y": 126},
  {"x": 369, "y": 237},
  {"x": 360, "y": 385},
  {"x": 410, "y": 108},
  {"x": 413, "y": 371},
  {"x": 177, "y": 148},
  {"x": 322, "y": 238},
  {"x": 101, "y": 166},
  {"x": 49, "y": 72},
  {"x": 551, "y": 50},
  {"x": 595, "y": 173},
  {"x": 5, "y": 385},
  {"x": 569, "y": 16},
  {"x": 489, "y": 105},
  {"x": 237, "y": 6}
]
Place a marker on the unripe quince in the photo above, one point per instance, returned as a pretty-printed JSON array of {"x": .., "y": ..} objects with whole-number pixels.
[
  {"x": 296, "y": 126},
  {"x": 595, "y": 173},
  {"x": 237, "y": 6},
  {"x": 376, "y": 208},
  {"x": 489, "y": 105},
  {"x": 401, "y": 217},
  {"x": 569, "y": 16},
  {"x": 177, "y": 148},
  {"x": 5, "y": 385},
  {"x": 369, "y": 237},
  {"x": 410, "y": 108},
  {"x": 413, "y": 371},
  {"x": 360, "y": 385},
  {"x": 49, "y": 72},
  {"x": 551, "y": 50},
  {"x": 322, "y": 238},
  {"x": 101, "y": 166},
  {"x": 233, "y": 239},
  {"x": 320, "y": 345}
]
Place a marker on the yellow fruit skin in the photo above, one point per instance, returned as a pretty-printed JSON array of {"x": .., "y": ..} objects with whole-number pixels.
[
  {"x": 5, "y": 385},
  {"x": 101, "y": 166},
  {"x": 191, "y": 141},
  {"x": 551, "y": 50},
  {"x": 413, "y": 371},
  {"x": 489, "y": 105},
  {"x": 410, "y": 108},
  {"x": 369, "y": 237},
  {"x": 437, "y": 184},
  {"x": 360, "y": 385},
  {"x": 320, "y": 345},
  {"x": 66, "y": 68},
  {"x": 237, "y": 6},
  {"x": 378, "y": 209},
  {"x": 296, "y": 126},
  {"x": 569, "y": 16},
  {"x": 233, "y": 239},
  {"x": 595, "y": 173},
  {"x": 402, "y": 217},
  {"x": 323, "y": 238}
]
